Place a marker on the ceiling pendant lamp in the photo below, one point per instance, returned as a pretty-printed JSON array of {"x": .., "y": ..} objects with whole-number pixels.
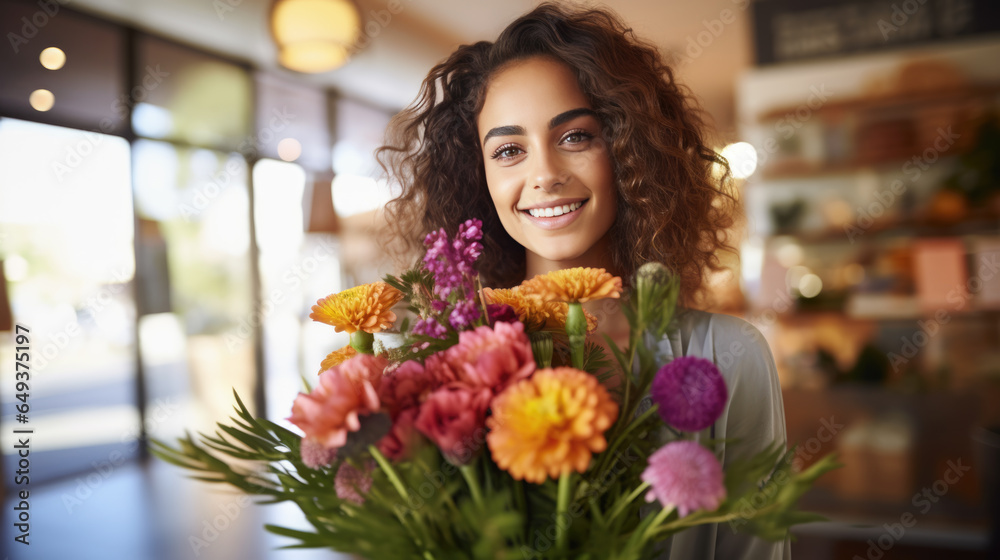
[{"x": 314, "y": 35}]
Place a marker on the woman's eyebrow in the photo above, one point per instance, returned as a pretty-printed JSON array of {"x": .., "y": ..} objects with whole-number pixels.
[
  {"x": 570, "y": 115},
  {"x": 508, "y": 130},
  {"x": 516, "y": 130}
]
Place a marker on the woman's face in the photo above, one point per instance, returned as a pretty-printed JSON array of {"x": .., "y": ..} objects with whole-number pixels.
[{"x": 548, "y": 170}]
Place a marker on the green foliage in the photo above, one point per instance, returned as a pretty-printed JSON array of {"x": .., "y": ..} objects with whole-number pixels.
[
  {"x": 596, "y": 361},
  {"x": 418, "y": 509}
]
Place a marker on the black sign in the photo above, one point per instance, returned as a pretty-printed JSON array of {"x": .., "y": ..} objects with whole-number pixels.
[{"x": 790, "y": 30}]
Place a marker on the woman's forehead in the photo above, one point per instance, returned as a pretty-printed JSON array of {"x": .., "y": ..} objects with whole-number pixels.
[{"x": 529, "y": 93}]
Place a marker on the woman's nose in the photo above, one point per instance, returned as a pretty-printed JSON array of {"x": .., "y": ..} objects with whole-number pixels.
[{"x": 547, "y": 171}]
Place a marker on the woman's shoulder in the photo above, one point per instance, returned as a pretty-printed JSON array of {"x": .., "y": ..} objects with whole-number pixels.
[{"x": 721, "y": 331}]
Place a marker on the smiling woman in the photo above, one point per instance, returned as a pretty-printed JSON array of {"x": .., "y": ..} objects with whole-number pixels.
[
  {"x": 569, "y": 138},
  {"x": 562, "y": 94}
]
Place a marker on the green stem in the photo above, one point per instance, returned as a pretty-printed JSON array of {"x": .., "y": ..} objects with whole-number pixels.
[
  {"x": 627, "y": 407},
  {"x": 541, "y": 348},
  {"x": 576, "y": 331},
  {"x": 423, "y": 538},
  {"x": 469, "y": 473},
  {"x": 488, "y": 475},
  {"x": 482, "y": 300},
  {"x": 691, "y": 521},
  {"x": 390, "y": 472},
  {"x": 660, "y": 517},
  {"x": 577, "y": 349},
  {"x": 618, "y": 439},
  {"x": 562, "y": 506},
  {"x": 519, "y": 495},
  {"x": 622, "y": 504}
]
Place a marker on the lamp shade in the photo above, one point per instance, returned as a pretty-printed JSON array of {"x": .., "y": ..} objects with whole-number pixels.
[{"x": 314, "y": 35}]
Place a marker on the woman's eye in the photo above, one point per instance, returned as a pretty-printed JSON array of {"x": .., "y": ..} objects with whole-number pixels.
[
  {"x": 577, "y": 137},
  {"x": 506, "y": 152}
]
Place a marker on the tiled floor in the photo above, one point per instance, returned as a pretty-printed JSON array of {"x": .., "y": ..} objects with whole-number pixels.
[{"x": 150, "y": 512}]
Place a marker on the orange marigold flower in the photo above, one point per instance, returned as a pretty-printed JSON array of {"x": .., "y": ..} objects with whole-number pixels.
[
  {"x": 575, "y": 285},
  {"x": 557, "y": 317},
  {"x": 367, "y": 307},
  {"x": 550, "y": 424},
  {"x": 529, "y": 307},
  {"x": 337, "y": 357},
  {"x": 535, "y": 313}
]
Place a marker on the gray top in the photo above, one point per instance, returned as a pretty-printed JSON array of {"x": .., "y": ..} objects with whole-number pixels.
[{"x": 754, "y": 415}]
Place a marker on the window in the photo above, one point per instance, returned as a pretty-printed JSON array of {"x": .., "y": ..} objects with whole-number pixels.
[{"x": 66, "y": 240}]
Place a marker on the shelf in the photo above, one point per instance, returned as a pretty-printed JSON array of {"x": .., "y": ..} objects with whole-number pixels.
[
  {"x": 979, "y": 224},
  {"x": 960, "y": 537},
  {"x": 804, "y": 169},
  {"x": 807, "y": 317},
  {"x": 891, "y": 102}
]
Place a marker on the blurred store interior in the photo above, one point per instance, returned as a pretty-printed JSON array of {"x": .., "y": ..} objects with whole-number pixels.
[{"x": 174, "y": 198}]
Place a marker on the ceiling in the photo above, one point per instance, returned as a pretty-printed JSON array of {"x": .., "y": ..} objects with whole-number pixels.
[{"x": 405, "y": 45}]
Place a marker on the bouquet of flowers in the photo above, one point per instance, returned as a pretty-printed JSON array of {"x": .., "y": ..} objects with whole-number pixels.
[{"x": 492, "y": 428}]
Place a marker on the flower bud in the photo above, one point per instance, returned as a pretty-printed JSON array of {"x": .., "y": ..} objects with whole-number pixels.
[
  {"x": 541, "y": 348},
  {"x": 362, "y": 342}
]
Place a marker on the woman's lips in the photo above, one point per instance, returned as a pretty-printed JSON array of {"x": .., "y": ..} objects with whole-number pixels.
[{"x": 555, "y": 222}]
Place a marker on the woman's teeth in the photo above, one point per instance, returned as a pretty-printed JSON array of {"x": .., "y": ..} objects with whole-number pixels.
[{"x": 554, "y": 211}]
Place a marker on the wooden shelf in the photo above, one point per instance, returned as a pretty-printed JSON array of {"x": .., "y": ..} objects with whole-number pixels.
[
  {"x": 864, "y": 528},
  {"x": 902, "y": 101},
  {"x": 801, "y": 169},
  {"x": 980, "y": 223}
]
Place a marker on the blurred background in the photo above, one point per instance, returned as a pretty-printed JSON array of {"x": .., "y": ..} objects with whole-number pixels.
[{"x": 180, "y": 181}]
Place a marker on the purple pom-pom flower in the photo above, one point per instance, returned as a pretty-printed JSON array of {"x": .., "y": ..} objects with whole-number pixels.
[
  {"x": 691, "y": 393},
  {"x": 352, "y": 483},
  {"x": 315, "y": 455},
  {"x": 685, "y": 475}
]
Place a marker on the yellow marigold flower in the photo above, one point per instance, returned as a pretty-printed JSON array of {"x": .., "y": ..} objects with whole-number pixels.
[
  {"x": 575, "y": 285},
  {"x": 557, "y": 317},
  {"x": 367, "y": 307},
  {"x": 550, "y": 424},
  {"x": 532, "y": 311},
  {"x": 529, "y": 308},
  {"x": 337, "y": 357}
]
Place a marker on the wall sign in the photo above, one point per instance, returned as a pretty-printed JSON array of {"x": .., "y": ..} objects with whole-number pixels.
[{"x": 793, "y": 30}]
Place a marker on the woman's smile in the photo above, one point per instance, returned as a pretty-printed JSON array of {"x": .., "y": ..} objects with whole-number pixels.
[{"x": 554, "y": 216}]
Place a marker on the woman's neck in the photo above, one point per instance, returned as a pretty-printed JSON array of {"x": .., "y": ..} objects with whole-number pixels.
[{"x": 598, "y": 256}]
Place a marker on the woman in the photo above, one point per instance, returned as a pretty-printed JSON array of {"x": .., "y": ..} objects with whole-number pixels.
[{"x": 569, "y": 138}]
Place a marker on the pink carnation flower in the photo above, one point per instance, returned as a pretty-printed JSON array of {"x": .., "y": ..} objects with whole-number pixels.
[
  {"x": 691, "y": 393},
  {"x": 490, "y": 358},
  {"x": 343, "y": 393},
  {"x": 407, "y": 387},
  {"x": 685, "y": 475},
  {"x": 351, "y": 483},
  {"x": 399, "y": 443},
  {"x": 455, "y": 420}
]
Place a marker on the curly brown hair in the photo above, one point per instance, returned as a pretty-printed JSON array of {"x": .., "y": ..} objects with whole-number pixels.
[{"x": 671, "y": 208}]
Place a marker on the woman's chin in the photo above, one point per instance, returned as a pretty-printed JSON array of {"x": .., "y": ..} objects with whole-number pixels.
[{"x": 562, "y": 257}]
